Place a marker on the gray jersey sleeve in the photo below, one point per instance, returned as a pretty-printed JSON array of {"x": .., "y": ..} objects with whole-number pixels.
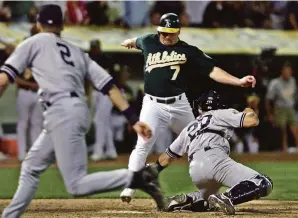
[
  {"x": 271, "y": 92},
  {"x": 229, "y": 118},
  {"x": 98, "y": 76},
  {"x": 179, "y": 146},
  {"x": 20, "y": 59}
]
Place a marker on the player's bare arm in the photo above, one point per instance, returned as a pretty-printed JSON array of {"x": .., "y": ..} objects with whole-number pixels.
[
  {"x": 120, "y": 102},
  {"x": 164, "y": 160},
  {"x": 4, "y": 81},
  {"x": 251, "y": 119},
  {"x": 222, "y": 76},
  {"x": 31, "y": 85},
  {"x": 130, "y": 43}
]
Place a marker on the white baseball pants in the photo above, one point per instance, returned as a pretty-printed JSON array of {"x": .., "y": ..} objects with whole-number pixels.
[{"x": 159, "y": 116}]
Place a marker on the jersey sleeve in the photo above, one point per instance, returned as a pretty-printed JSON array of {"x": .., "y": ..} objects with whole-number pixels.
[
  {"x": 203, "y": 62},
  {"x": 20, "y": 59},
  {"x": 99, "y": 77},
  {"x": 230, "y": 118},
  {"x": 178, "y": 148},
  {"x": 141, "y": 41}
]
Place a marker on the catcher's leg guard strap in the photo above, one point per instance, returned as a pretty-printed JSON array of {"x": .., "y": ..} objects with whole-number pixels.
[
  {"x": 199, "y": 206},
  {"x": 247, "y": 190}
]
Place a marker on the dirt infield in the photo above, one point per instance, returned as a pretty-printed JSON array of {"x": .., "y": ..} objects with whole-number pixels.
[
  {"x": 243, "y": 158},
  {"x": 114, "y": 208},
  {"x": 105, "y": 208}
]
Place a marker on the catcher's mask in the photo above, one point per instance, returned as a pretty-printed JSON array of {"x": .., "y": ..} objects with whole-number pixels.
[{"x": 209, "y": 101}]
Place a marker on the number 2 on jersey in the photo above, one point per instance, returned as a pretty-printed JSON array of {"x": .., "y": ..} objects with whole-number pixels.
[
  {"x": 177, "y": 70},
  {"x": 65, "y": 53}
]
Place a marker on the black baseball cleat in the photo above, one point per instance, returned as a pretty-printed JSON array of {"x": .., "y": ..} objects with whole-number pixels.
[
  {"x": 147, "y": 181},
  {"x": 178, "y": 202},
  {"x": 221, "y": 202}
]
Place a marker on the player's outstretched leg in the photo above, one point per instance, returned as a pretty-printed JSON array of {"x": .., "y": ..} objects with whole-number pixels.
[
  {"x": 247, "y": 190},
  {"x": 150, "y": 114},
  {"x": 137, "y": 160},
  {"x": 39, "y": 158},
  {"x": 147, "y": 181},
  {"x": 70, "y": 151},
  {"x": 191, "y": 202}
]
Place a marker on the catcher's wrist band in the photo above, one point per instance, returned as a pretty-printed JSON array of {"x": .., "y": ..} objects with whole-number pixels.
[
  {"x": 159, "y": 167},
  {"x": 105, "y": 90},
  {"x": 131, "y": 115}
]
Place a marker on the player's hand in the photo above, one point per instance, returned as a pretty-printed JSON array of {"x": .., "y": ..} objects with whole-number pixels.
[
  {"x": 128, "y": 43},
  {"x": 143, "y": 130},
  {"x": 248, "y": 81}
]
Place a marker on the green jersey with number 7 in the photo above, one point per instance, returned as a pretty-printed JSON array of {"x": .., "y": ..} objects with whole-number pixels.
[{"x": 168, "y": 68}]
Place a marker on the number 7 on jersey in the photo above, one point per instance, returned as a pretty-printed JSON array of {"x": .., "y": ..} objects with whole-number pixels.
[{"x": 177, "y": 70}]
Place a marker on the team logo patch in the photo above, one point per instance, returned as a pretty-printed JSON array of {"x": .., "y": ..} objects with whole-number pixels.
[{"x": 168, "y": 24}]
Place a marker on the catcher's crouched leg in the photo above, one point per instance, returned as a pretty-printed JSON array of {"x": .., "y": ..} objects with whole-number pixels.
[
  {"x": 247, "y": 190},
  {"x": 185, "y": 202},
  {"x": 252, "y": 189}
]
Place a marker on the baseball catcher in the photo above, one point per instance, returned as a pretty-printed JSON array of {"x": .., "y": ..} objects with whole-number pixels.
[{"x": 205, "y": 141}]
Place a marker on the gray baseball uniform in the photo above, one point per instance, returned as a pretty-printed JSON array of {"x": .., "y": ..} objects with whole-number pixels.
[
  {"x": 60, "y": 69},
  {"x": 205, "y": 140},
  {"x": 29, "y": 115},
  {"x": 104, "y": 144}
]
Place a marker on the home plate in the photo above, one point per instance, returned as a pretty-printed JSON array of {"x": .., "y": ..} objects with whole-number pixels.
[{"x": 122, "y": 211}]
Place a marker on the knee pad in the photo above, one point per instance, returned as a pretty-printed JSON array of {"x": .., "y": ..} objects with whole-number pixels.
[
  {"x": 264, "y": 183},
  {"x": 252, "y": 189}
]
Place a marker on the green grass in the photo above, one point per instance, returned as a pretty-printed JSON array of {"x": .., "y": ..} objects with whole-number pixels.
[{"x": 174, "y": 180}]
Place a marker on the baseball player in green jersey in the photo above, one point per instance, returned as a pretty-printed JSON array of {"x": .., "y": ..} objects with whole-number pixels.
[{"x": 169, "y": 65}]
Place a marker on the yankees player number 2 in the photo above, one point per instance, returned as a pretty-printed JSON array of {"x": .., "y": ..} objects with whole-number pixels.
[{"x": 65, "y": 54}]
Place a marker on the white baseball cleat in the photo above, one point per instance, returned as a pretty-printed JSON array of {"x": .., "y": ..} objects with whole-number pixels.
[
  {"x": 221, "y": 202},
  {"x": 127, "y": 194},
  {"x": 96, "y": 157}
]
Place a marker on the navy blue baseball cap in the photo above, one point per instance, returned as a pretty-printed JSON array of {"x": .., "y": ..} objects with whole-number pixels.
[{"x": 50, "y": 15}]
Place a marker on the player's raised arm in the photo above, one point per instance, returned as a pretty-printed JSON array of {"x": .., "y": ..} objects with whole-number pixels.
[
  {"x": 207, "y": 66},
  {"x": 222, "y": 76},
  {"x": 137, "y": 42},
  {"x": 130, "y": 43}
]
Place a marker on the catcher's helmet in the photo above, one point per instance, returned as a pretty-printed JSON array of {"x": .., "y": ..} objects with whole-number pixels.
[
  {"x": 169, "y": 23},
  {"x": 50, "y": 15},
  {"x": 209, "y": 101}
]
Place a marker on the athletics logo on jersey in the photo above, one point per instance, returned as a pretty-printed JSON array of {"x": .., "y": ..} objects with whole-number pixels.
[{"x": 165, "y": 59}]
